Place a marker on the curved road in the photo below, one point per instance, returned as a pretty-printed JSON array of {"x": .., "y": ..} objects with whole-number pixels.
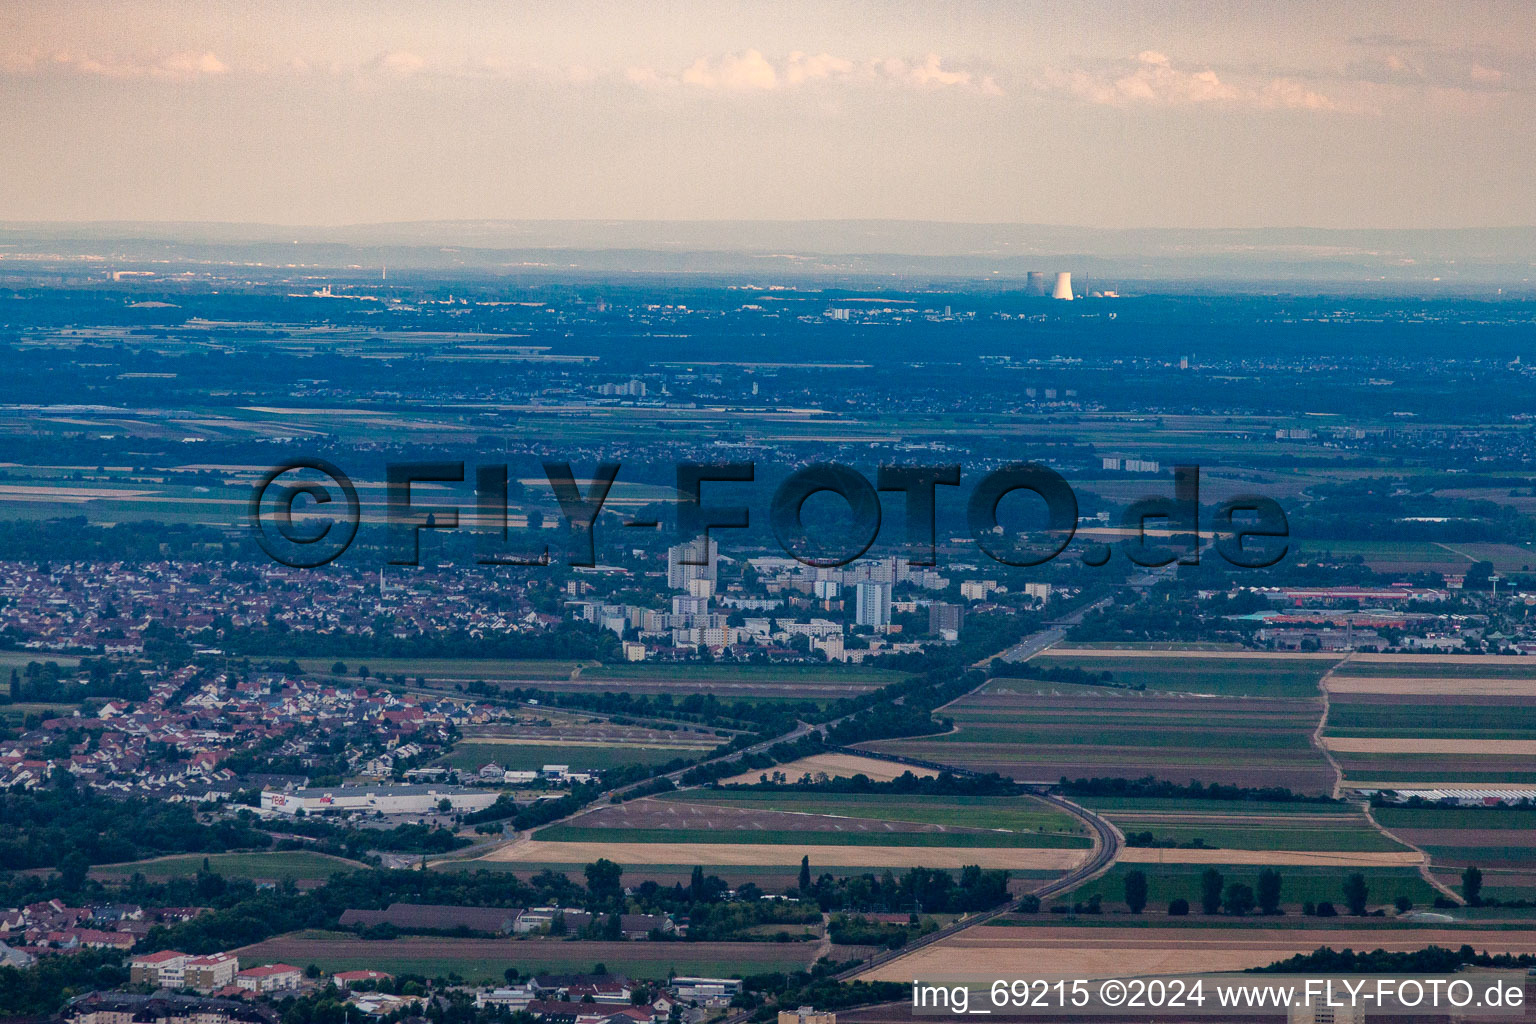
[{"x": 1107, "y": 840}]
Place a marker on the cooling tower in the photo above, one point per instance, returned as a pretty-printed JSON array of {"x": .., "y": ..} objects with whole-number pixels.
[
  {"x": 1034, "y": 284},
  {"x": 1063, "y": 286}
]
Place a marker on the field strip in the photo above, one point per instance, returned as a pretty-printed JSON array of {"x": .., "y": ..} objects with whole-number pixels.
[
  {"x": 1114, "y": 653},
  {"x": 774, "y": 854},
  {"x": 1273, "y": 858},
  {"x": 1316, "y": 738},
  {"x": 1426, "y": 745},
  {"x": 983, "y": 954},
  {"x": 1471, "y": 661},
  {"x": 588, "y": 741},
  {"x": 1423, "y": 686},
  {"x": 1396, "y": 784},
  {"x": 840, "y": 765}
]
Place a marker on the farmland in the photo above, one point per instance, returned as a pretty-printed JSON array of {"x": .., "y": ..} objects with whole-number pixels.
[
  {"x": 1039, "y": 731},
  {"x": 487, "y": 959},
  {"x": 1499, "y": 841},
  {"x": 278, "y": 866},
  {"x": 982, "y": 954},
  {"x": 762, "y": 829},
  {"x": 1403, "y": 721},
  {"x": 1247, "y": 825}
]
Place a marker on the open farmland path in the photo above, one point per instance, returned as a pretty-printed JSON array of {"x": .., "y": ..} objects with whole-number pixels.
[{"x": 1365, "y": 805}]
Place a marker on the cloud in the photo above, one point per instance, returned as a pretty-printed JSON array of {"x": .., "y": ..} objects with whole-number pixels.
[
  {"x": 747, "y": 70},
  {"x": 1153, "y": 79},
  {"x": 752, "y": 71},
  {"x": 174, "y": 67},
  {"x": 397, "y": 64}
]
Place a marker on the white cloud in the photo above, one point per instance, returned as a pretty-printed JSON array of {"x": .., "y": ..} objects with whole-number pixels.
[
  {"x": 750, "y": 70},
  {"x": 1153, "y": 79},
  {"x": 174, "y": 67}
]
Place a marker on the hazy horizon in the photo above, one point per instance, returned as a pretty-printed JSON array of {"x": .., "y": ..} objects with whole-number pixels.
[{"x": 1182, "y": 115}]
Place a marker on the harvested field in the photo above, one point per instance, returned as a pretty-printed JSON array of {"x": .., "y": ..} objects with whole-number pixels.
[
  {"x": 1427, "y": 745},
  {"x": 983, "y": 954},
  {"x": 725, "y": 854},
  {"x": 1415, "y": 686},
  {"x": 1273, "y": 858},
  {"x": 835, "y": 766}
]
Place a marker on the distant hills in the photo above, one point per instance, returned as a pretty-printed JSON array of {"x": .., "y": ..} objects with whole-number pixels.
[{"x": 1477, "y": 258}]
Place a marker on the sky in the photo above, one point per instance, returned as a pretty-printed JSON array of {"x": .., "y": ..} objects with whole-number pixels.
[{"x": 1115, "y": 114}]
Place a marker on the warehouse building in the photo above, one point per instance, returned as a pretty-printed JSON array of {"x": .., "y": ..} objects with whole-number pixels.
[{"x": 381, "y": 799}]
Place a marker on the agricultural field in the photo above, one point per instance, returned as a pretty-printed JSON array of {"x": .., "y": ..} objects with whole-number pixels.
[
  {"x": 299, "y": 866},
  {"x": 1036, "y": 731},
  {"x": 833, "y": 766},
  {"x": 1396, "y": 556},
  {"x": 1198, "y": 671},
  {"x": 729, "y": 683},
  {"x": 844, "y": 832},
  {"x": 1246, "y": 825},
  {"x": 532, "y": 755},
  {"x": 526, "y": 672},
  {"x": 1053, "y": 948},
  {"x": 476, "y": 960},
  {"x": 1300, "y": 884},
  {"x": 1395, "y": 721},
  {"x": 1499, "y": 841}
]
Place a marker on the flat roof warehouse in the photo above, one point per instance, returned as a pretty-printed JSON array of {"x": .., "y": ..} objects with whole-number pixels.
[{"x": 384, "y": 799}]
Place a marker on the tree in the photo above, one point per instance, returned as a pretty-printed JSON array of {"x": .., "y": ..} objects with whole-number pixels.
[
  {"x": 1356, "y": 894},
  {"x": 1136, "y": 891},
  {"x": 1403, "y": 904},
  {"x": 339, "y": 669},
  {"x": 805, "y": 874},
  {"x": 1238, "y": 899},
  {"x": 603, "y": 879},
  {"x": 1472, "y": 886},
  {"x": 73, "y": 870},
  {"x": 1211, "y": 883},
  {"x": 1178, "y": 907},
  {"x": 1269, "y": 891}
]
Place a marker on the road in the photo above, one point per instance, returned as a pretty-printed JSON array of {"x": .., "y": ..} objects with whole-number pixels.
[{"x": 1107, "y": 841}]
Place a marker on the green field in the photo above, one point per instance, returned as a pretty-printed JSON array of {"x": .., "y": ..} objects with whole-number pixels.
[
  {"x": 1255, "y": 677},
  {"x": 1018, "y": 814},
  {"x": 21, "y": 659},
  {"x": 787, "y": 675},
  {"x": 470, "y": 756},
  {"x": 1111, "y": 804},
  {"x": 1300, "y": 885},
  {"x": 1442, "y": 721},
  {"x": 1523, "y": 818},
  {"x": 475, "y": 960},
  {"x": 451, "y": 668},
  {"x": 684, "y": 836},
  {"x": 278, "y": 866}
]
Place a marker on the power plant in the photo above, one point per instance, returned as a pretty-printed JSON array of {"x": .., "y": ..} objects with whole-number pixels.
[{"x": 1035, "y": 285}]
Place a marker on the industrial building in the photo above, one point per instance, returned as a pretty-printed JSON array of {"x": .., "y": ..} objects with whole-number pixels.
[{"x": 380, "y": 799}]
